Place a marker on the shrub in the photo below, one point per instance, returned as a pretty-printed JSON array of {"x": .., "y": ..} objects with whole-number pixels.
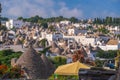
[
  {"x": 6, "y": 52},
  {"x": 3, "y": 69},
  {"x": 99, "y": 63},
  {"x": 57, "y": 61},
  {"x": 7, "y": 55},
  {"x": 64, "y": 77},
  {"x": 106, "y": 54}
]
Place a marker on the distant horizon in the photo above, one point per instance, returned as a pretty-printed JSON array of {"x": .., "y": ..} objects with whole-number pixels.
[
  {"x": 87, "y": 9},
  {"x": 63, "y": 17}
]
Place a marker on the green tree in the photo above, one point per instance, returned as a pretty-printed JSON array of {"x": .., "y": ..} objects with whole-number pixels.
[
  {"x": 103, "y": 30},
  {"x": 118, "y": 36},
  {"x": 73, "y": 19},
  {"x": 20, "y": 18},
  {"x": 44, "y": 25},
  {"x": 45, "y": 50},
  {"x": 106, "y": 54},
  {"x": 90, "y": 28},
  {"x": 57, "y": 61},
  {"x": 97, "y": 21},
  {"x": 99, "y": 63},
  {"x": 51, "y": 28},
  {"x": 43, "y": 43},
  {"x": 108, "y": 20},
  {"x": 7, "y": 55},
  {"x": 4, "y": 28}
]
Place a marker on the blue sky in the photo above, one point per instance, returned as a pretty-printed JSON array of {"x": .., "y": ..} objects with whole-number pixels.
[{"x": 66, "y": 8}]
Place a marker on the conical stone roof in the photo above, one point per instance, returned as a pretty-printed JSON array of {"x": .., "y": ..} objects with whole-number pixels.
[
  {"x": 36, "y": 44},
  {"x": 54, "y": 45},
  {"x": 57, "y": 50},
  {"x": 64, "y": 45},
  {"x": 66, "y": 51},
  {"x": 17, "y": 41},
  {"x": 32, "y": 63},
  {"x": 83, "y": 51},
  {"x": 48, "y": 65}
]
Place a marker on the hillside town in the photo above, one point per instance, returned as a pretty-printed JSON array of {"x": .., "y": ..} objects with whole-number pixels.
[
  {"x": 80, "y": 43},
  {"x": 64, "y": 38},
  {"x": 65, "y": 35}
]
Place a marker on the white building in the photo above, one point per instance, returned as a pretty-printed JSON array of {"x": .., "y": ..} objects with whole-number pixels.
[
  {"x": 43, "y": 35},
  {"x": 75, "y": 31},
  {"x": 3, "y": 23},
  {"x": 11, "y": 34},
  {"x": 111, "y": 45},
  {"x": 14, "y": 23},
  {"x": 1, "y": 38},
  {"x": 72, "y": 31},
  {"x": 65, "y": 22},
  {"x": 84, "y": 25},
  {"x": 51, "y": 37},
  {"x": 83, "y": 39},
  {"x": 76, "y": 25}
]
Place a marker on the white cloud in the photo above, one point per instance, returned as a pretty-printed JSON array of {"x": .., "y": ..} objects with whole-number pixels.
[
  {"x": 65, "y": 11},
  {"x": 44, "y": 8},
  {"x": 47, "y": 3},
  {"x": 16, "y": 11},
  {"x": 70, "y": 12}
]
